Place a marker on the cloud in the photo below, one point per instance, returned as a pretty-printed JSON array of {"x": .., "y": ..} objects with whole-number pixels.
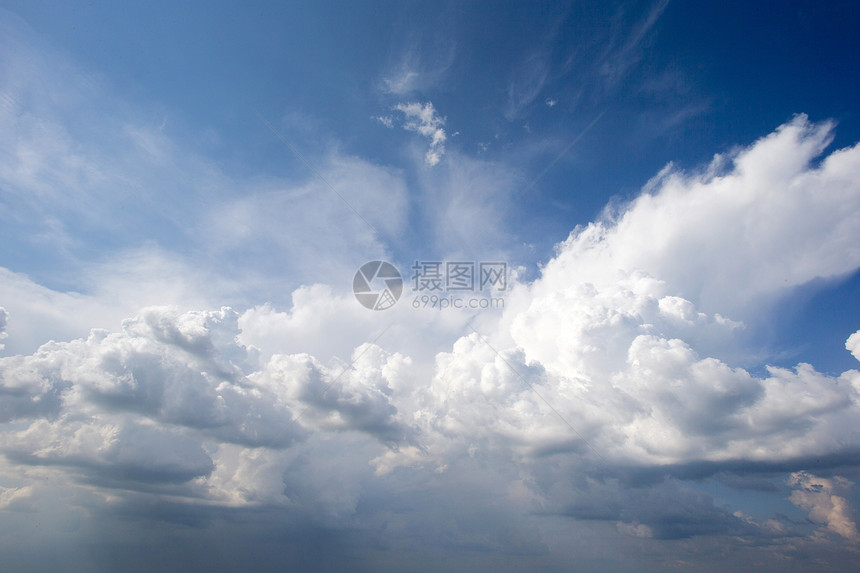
[
  {"x": 423, "y": 119},
  {"x": 129, "y": 210},
  {"x": 635, "y": 529},
  {"x": 461, "y": 192},
  {"x": 614, "y": 369},
  {"x": 15, "y": 498},
  {"x": 818, "y": 497},
  {"x": 419, "y": 69},
  {"x": 666, "y": 511},
  {"x": 4, "y": 318},
  {"x": 163, "y": 366},
  {"x": 620, "y": 59},
  {"x": 661, "y": 404},
  {"x": 402, "y": 83},
  {"x": 853, "y": 344},
  {"x": 344, "y": 230},
  {"x": 146, "y": 405},
  {"x": 528, "y": 81},
  {"x": 113, "y": 288},
  {"x": 754, "y": 224},
  {"x": 604, "y": 367},
  {"x": 602, "y": 372},
  {"x": 615, "y": 335},
  {"x": 592, "y": 412},
  {"x": 385, "y": 120},
  {"x": 356, "y": 398}
]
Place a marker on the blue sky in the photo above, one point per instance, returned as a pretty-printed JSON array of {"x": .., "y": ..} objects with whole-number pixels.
[{"x": 669, "y": 378}]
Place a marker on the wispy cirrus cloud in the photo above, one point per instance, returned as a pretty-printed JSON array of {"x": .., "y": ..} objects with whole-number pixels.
[
  {"x": 625, "y": 48},
  {"x": 526, "y": 85},
  {"x": 419, "y": 70}
]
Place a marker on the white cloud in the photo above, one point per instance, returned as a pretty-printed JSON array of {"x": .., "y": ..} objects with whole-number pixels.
[
  {"x": 113, "y": 289},
  {"x": 273, "y": 216},
  {"x": 100, "y": 191},
  {"x": 464, "y": 191},
  {"x": 526, "y": 84},
  {"x": 176, "y": 369},
  {"x": 616, "y": 333},
  {"x": 754, "y": 224},
  {"x": 622, "y": 55},
  {"x": 818, "y": 496},
  {"x": 154, "y": 404},
  {"x": 608, "y": 356},
  {"x": 4, "y": 318},
  {"x": 385, "y": 120},
  {"x": 423, "y": 119},
  {"x": 853, "y": 344},
  {"x": 12, "y": 498},
  {"x": 419, "y": 69},
  {"x": 39, "y": 314},
  {"x": 353, "y": 396},
  {"x": 402, "y": 83},
  {"x": 635, "y": 529},
  {"x": 615, "y": 345}
]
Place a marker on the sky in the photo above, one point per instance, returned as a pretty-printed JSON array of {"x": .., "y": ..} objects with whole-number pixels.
[{"x": 617, "y": 327}]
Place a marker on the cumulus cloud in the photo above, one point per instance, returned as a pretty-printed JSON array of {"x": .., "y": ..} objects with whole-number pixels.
[
  {"x": 356, "y": 398},
  {"x": 607, "y": 353},
  {"x": 818, "y": 496},
  {"x": 597, "y": 396},
  {"x": 659, "y": 404},
  {"x": 853, "y": 344},
  {"x": 755, "y": 223},
  {"x": 423, "y": 119},
  {"x": 604, "y": 394},
  {"x": 602, "y": 367},
  {"x": 616, "y": 332},
  {"x": 145, "y": 405}
]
